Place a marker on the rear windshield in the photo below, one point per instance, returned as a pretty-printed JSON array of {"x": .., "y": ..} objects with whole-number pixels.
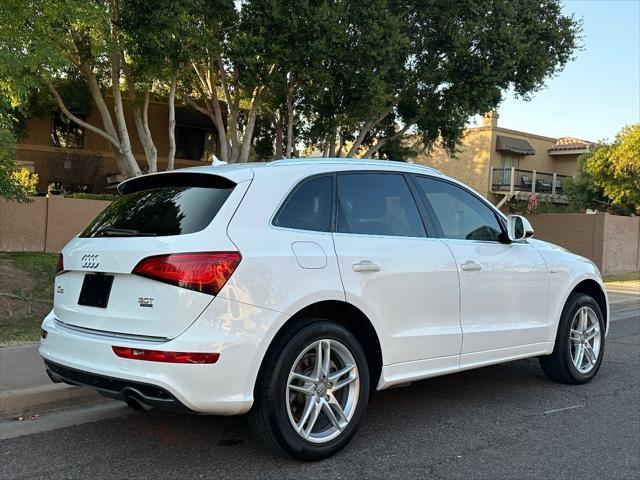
[{"x": 157, "y": 212}]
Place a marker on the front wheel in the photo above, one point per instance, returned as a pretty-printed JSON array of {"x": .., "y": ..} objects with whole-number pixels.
[
  {"x": 312, "y": 392},
  {"x": 579, "y": 346}
]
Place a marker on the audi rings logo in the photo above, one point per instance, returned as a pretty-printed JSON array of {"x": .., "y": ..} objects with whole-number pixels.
[{"x": 90, "y": 261}]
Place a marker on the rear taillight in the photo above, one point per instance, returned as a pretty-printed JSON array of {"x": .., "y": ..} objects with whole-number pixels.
[
  {"x": 203, "y": 272},
  {"x": 60, "y": 264},
  {"x": 166, "y": 357}
]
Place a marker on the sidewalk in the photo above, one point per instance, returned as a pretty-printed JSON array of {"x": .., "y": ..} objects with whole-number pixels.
[{"x": 25, "y": 388}]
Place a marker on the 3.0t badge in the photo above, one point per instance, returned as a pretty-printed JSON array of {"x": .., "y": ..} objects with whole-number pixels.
[{"x": 145, "y": 301}]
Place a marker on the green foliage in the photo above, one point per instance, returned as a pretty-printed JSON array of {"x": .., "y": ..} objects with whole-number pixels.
[
  {"x": 609, "y": 174},
  {"x": 334, "y": 71},
  {"x": 582, "y": 191},
  {"x": 10, "y": 186},
  {"x": 93, "y": 196},
  {"x": 25, "y": 180},
  {"x": 520, "y": 207}
]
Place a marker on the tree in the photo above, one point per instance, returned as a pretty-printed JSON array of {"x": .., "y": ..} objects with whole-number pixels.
[
  {"x": 609, "y": 174},
  {"x": 14, "y": 184},
  {"x": 153, "y": 39},
  {"x": 459, "y": 59},
  {"x": 52, "y": 40},
  {"x": 229, "y": 71},
  {"x": 352, "y": 77}
]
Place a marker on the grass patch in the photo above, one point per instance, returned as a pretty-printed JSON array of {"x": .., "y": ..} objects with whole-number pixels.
[
  {"x": 26, "y": 294},
  {"x": 623, "y": 277}
]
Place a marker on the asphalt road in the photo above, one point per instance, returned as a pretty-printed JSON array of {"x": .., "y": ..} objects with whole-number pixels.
[{"x": 500, "y": 422}]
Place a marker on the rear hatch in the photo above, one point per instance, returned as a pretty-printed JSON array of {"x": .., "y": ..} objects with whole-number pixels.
[{"x": 158, "y": 215}]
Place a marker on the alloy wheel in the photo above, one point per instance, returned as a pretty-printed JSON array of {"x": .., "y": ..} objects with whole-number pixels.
[
  {"x": 585, "y": 339},
  {"x": 322, "y": 391}
]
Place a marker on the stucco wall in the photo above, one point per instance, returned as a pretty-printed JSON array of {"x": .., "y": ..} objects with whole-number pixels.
[
  {"x": 621, "y": 252},
  {"x": 477, "y": 154},
  {"x": 470, "y": 164},
  {"x": 611, "y": 242},
  {"x": 67, "y": 217},
  {"x": 23, "y": 226},
  {"x": 579, "y": 233},
  {"x": 541, "y": 160},
  {"x": 45, "y": 224}
]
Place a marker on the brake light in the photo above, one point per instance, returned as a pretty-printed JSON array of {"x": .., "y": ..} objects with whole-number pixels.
[
  {"x": 166, "y": 357},
  {"x": 60, "y": 264},
  {"x": 203, "y": 272}
]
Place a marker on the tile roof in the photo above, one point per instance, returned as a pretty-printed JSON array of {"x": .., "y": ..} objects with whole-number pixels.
[{"x": 570, "y": 143}]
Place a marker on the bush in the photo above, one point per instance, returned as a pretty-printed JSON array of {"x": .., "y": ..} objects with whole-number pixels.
[
  {"x": 93, "y": 196},
  {"x": 608, "y": 175},
  {"x": 520, "y": 207},
  {"x": 25, "y": 180}
]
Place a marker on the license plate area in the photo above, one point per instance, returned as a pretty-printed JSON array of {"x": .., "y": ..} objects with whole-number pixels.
[{"x": 95, "y": 290}]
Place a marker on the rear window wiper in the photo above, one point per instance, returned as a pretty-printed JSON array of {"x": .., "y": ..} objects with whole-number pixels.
[{"x": 122, "y": 232}]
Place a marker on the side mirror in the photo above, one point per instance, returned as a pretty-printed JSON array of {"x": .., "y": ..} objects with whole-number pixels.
[{"x": 518, "y": 228}]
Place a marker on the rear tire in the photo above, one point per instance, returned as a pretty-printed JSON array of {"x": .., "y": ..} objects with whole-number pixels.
[
  {"x": 579, "y": 347},
  {"x": 305, "y": 408}
]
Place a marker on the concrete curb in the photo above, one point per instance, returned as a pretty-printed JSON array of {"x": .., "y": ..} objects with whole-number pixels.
[{"x": 48, "y": 397}]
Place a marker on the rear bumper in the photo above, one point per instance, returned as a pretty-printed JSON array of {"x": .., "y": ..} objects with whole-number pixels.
[
  {"x": 118, "y": 389},
  {"x": 222, "y": 388}
]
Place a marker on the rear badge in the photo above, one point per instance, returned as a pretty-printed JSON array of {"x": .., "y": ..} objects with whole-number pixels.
[
  {"x": 90, "y": 261},
  {"x": 60, "y": 289},
  {"x": 145, "y": 301}
]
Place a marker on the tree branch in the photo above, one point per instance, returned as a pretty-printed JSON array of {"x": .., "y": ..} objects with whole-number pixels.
[
  {"x": 383, "y": 141},
  {"x": 77, "y": 120},
  {"x": 366, "y": 129}
]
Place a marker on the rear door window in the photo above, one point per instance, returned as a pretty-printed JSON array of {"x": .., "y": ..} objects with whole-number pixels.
[
  {"x": 308, "y": 207},
  {"x": 377, "y": 204},
  {"x": 162, "y": 211}
]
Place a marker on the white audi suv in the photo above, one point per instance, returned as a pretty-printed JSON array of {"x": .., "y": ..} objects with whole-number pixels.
[{"x": 293, "y": 290}]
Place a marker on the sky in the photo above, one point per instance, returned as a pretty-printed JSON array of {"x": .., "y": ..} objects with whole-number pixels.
[{"x": 597, "y": 93}]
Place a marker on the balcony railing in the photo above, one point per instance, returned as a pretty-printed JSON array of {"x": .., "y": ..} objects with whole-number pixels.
[{"x": 510, "y": 180}]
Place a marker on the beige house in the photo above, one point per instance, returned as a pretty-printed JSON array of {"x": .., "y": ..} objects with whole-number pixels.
[
  {"x": 66, "y": 157},
  {"x": 501, "y": 163}
]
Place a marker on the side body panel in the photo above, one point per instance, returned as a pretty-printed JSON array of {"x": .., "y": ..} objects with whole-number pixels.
[{"x": 412, "y": 299}]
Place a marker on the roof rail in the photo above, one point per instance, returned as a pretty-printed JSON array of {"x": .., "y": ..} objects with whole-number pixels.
[{"x": 351, "y": 161}]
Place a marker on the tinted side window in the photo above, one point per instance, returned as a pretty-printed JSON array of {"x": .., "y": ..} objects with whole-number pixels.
[
  {"x": 460, "y": 214},
  {"x": 377, "y": 204},
  {"x": 308, "y": 207}
]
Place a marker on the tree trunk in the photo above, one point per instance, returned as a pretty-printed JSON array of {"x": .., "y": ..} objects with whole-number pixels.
[
  {"x": 289, "y": 123},
  {"x": 325, "y": 149},
  {"x": 277, "y": 125},
  {"x": 382, "y": 141},
  {"x": 172, "y": 125},
  {"x": 341, "y": 144},
  {"x": 125, "y": 143},
  {"x": 248, "y": 130},
  {"x": 366, "y": 128},
  {"x": 141, "y": 119},
  {"x": 332, "y": 142}
]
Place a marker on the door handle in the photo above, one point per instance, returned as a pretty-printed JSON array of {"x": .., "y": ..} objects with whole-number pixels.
[
  {"x": 470, "y": 266},
  {"x": 365, "y": 266}
]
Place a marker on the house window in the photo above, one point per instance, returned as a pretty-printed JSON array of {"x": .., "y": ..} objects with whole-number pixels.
[
  {"x": 194, "y": 143},
  {"x": 509, "y": 160},
  {"x": 66, "y": 133}
]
